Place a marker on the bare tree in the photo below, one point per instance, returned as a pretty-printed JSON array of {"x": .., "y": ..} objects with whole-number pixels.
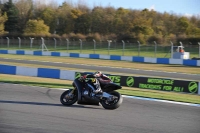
[{"x": 25, "y": 8}]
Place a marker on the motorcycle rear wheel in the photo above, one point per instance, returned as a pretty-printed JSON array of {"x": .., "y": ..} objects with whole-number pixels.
[
  {"x": 113, "y": 104},
  {"x": 66, "y": 100}
]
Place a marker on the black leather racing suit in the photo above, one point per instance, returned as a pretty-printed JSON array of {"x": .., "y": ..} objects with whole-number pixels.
[{"x": 103, "y": 79}]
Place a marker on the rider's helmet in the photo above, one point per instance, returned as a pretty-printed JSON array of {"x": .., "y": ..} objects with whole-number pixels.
[{"x": 98, "y": 74}]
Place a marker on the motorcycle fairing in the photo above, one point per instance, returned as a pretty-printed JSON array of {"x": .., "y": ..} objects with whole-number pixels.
[
  {"x": 110, "y": 87},
  {"x": 81, "y": 100}
]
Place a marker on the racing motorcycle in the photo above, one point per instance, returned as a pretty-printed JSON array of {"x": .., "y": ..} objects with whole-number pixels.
[{"x": 82, "y": 93}]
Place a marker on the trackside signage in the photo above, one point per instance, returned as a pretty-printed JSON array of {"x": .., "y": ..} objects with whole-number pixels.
[
  {"x": 161, "y": 84},
  {"x": 154, "y": 83}
]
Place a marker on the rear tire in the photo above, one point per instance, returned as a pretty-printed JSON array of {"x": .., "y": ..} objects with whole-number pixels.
[
  {"x": 66, "y": 100},
  {"x": 114, "y": 104}
]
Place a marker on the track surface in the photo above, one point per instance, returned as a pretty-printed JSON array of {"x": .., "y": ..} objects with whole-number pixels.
[
  {"x": 110, "y": 69},
  {"x": 25, "y": 109}
]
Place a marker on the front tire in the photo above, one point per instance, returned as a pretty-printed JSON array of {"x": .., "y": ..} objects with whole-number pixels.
[
  {"x": 67, "y": 99},
  {"x": 113, "y": 104}
]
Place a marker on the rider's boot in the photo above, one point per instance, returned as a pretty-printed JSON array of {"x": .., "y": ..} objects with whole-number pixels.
[{"x": 98, "y": 90}]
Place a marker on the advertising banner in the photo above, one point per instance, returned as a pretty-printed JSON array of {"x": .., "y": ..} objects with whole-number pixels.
[
  {"x": 152, "y": 83},
  {"x": 160, "y": 84}
]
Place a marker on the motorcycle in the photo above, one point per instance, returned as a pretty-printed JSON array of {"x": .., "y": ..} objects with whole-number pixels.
[{"x": 82, "y": 93}]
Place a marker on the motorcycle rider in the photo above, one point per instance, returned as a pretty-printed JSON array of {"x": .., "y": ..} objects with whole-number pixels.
[{"x": 103, "y": 79}]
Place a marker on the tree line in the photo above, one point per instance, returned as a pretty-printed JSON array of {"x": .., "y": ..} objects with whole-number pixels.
[{"x": 78, "y": 21}]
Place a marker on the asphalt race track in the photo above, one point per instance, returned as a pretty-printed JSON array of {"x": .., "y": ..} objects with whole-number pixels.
[
  {"x": 110, "y": 69},
  {"x": 25, "y": 109}
]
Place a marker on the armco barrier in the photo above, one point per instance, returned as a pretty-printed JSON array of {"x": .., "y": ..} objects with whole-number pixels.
[
  {"x": 108, "y": 57},
  {"x": 129, "y": 81}
]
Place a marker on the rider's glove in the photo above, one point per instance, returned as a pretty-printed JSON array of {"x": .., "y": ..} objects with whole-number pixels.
[{"x": 82, "y": 78}]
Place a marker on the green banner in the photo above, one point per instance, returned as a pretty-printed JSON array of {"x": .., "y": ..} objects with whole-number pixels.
[{"x": 152, "y": 83}]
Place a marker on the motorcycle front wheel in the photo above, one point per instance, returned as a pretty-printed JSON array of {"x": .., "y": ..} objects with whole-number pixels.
[
  {"x": 112, "y": 104},
  {"x": 67, "y": 98}
]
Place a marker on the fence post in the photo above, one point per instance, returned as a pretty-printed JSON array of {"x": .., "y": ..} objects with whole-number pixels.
[
  {"x": 138, "y": 48},
  {"x": 172, "y": 49},
  {"x": 181, "y": 43},
  {"x": 31, "y": 43},
  {"x": 8, "y": 42},
  {"x": 67, "y": 45},
  {"x": 155, "y": 49},
  {"x": 55, "y": 43},
  {"x": 94, "y": 45},
  {"x": 123, "y": 47},
  {"x": 80, "y": 45},
  {"x": 42, "y": 43},
  {"x": 109, "y": 41},
  {"x": 19, "y": 42}
]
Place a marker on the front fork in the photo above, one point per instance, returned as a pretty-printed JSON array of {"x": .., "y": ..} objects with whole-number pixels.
[{"x": 70, "y": 94}]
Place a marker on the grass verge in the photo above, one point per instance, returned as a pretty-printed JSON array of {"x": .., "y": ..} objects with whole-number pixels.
[
  {"x": 111, "y": 63},
  {"x": 57, "y": 83}
]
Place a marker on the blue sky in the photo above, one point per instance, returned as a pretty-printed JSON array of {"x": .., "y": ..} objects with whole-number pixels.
[{"x": 182, "y": 7}]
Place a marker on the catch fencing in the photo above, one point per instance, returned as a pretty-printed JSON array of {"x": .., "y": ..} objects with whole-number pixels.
[{"x": 109, "y": 47}]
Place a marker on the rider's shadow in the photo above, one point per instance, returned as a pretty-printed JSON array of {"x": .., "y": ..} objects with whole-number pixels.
[{"x": 49, "y": 104}]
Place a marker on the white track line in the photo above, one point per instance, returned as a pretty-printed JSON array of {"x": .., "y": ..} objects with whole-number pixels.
[
  {"x": 156, "y": 100},
  {"x": 132, "y": 97}
]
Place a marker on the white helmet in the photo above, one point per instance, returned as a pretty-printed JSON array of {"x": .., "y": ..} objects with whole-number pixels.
[{"x": 97, "y": 73}]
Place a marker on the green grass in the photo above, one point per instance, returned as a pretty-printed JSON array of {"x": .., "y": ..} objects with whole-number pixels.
[
  {"x": 56, "y": 83},
  {"x": 130, "y": 50},
  {"x": 99, "y": 62},
  {"x": 41, "y": 84},
  {"x": 64, "y": 84}
]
